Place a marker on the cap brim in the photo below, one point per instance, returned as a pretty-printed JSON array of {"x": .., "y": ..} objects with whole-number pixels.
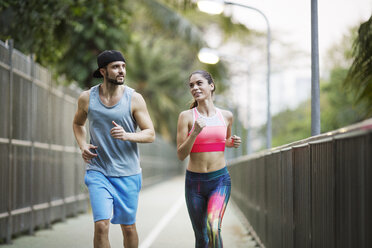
[{"x": 97, "y": 74}]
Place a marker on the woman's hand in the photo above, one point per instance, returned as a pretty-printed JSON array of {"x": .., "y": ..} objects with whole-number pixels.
[
  {"x": 199, "y": 125},
  {"x": 234, "y": 141}
]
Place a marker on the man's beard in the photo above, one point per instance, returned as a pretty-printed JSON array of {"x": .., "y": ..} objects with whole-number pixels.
[{"x": 113, "y": 81}]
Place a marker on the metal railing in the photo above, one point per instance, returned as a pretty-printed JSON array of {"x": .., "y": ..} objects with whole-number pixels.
[
  {"x": 312, "y": 193},
  {"x": 41, "y": 169}
]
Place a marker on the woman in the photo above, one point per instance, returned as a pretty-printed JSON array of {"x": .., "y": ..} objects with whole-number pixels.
[{"x": 203, "y": 132}]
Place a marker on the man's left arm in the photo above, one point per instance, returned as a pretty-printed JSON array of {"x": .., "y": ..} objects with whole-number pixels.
[{"x": 142, "y": 117}]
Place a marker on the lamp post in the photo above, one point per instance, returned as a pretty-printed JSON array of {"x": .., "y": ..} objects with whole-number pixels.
[
  {"x": 315, "y": 90},
  {"x": 216, "y": 7}
]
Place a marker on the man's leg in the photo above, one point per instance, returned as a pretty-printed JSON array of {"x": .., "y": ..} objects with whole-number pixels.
[
  {"x": 101, "y": 201},
  {"x": 130, "y": 236},
  {"x": 101, "y": 230}
]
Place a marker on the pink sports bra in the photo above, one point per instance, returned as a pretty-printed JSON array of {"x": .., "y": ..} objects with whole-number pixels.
[{"x": 213, "y": 136}]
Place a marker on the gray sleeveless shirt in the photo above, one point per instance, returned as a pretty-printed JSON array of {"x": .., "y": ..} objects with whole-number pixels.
[{"x": 115, "y": 158}]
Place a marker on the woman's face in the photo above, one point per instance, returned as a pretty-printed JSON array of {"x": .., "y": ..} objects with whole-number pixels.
[{"x": 200, "y": 89}]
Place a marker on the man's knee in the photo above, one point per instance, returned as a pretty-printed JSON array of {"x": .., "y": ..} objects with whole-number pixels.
[
  {"x": 101, "y": 227},
  {"x": 129, "y": 230}
]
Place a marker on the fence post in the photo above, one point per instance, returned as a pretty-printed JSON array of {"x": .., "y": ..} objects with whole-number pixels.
[
  {"x": 32, "y": 159},
  {"x": 50, "y": 162},
  {"x": 62, "y": 169},
  {"x": 10, "y": 155}
]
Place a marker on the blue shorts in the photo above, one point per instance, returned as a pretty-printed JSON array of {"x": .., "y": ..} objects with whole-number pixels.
[{"x": 115, "y": 197}]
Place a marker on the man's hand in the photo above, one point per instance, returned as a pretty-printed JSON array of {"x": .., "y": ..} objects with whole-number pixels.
[
  {"x": 87, "y": 154},
  {"x": 117, "y": 132}
]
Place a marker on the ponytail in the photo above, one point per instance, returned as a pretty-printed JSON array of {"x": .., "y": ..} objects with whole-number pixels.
[{"x": 194, "y": 104}]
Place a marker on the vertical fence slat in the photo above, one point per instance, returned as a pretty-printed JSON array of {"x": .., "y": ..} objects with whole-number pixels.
[
  {"x": 287, "y": 199},
  {"x": 10, "y": 150},
  {"x": 32, "y": 155},
  {"x": 302, "y": 197},
  {"x": 323, "y": 194},
  {"x": 274, "y": 204}
]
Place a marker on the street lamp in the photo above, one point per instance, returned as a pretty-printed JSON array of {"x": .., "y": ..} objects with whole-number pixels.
[
  {"x": 211, "y": 7},
  {"x": 216, "y": 7},
  {"x": 208, "y": 56}
]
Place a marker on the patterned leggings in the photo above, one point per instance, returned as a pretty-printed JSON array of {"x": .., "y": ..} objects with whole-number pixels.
[{"x": 207, "y": 195}]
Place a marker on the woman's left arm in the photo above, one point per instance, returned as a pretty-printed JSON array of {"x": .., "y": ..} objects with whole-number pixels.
[{"x": 234, "y": 140}]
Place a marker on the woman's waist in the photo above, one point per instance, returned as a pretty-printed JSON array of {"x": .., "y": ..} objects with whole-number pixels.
[
  {"x": 206, "y": 162},
  {"x": 206, "y": 176}
]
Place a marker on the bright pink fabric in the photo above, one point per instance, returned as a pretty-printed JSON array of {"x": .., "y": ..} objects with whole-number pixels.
[{"x": 211, "y": 138}]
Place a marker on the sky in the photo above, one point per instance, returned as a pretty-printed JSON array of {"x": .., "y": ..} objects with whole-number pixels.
[{"x": 290, "y": 22}]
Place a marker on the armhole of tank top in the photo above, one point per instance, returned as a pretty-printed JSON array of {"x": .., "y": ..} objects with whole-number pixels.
[
  {"x": 130, "y": 91},
  {"x": 91, "y": 94},
  {"x": 193, "y": 120},
  {"x": 221, "y": 117}
]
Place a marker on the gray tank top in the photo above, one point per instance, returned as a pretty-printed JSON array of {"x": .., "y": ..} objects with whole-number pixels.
[{"x": 115, "y": 158}]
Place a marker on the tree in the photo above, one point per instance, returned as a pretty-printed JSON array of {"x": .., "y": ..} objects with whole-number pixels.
[
  {"x": 66, "y": 35},
  {"x": 337, "y": 108},
  {"x": 36, "y": 26},
  {"x": 291, "y": 125},
  {"x": 94, "y": 26},
  {"x": 359, "y": 77}
]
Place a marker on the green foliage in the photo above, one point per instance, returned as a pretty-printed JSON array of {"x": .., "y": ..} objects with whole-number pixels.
[
  {"x": 171, "y": 21},
  {"x": 291, "y": 125},
  {"x": 36, "y": 26},
  {"x": 94, "y": 26},
  {"x": 337, "y": 108},
  {"x": 66, "y": 35},
  {"x": 359, "y": 77}
]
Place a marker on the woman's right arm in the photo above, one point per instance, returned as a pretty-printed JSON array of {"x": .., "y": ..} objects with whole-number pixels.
[{"x": 185, "y": 141}]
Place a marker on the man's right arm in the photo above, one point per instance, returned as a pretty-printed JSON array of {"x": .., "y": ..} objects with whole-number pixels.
[{"x": 79, "y": 127}]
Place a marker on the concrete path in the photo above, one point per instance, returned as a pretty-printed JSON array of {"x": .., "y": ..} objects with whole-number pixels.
[{"x": 162, "y": 222}]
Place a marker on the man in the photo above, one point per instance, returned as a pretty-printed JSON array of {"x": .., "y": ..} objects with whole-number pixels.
[{"x": 113, "y": 173}]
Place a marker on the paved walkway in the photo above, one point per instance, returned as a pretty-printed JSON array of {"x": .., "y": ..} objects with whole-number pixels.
[{"x": 162, "y": 222}]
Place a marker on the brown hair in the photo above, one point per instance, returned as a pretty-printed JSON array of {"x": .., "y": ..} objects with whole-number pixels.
[{"x": 209, "y": 78}]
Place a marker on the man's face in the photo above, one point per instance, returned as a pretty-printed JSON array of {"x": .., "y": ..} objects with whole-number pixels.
[{"x": 115, "y": 72}]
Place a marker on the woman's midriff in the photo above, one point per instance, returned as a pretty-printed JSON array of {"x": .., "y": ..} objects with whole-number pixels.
[{"x": 203, "y": 162}]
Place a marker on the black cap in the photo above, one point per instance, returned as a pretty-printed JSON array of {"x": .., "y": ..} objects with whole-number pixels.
[{"x": 105, "y": 58}]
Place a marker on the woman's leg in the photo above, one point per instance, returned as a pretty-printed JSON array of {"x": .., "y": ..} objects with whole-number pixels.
[
  {"x": 197, "y": 208},
  {"x": 216, "y": 208}
]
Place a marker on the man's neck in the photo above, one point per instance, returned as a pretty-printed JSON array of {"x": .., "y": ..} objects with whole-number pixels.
[{"x": 109, "y": 89}]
